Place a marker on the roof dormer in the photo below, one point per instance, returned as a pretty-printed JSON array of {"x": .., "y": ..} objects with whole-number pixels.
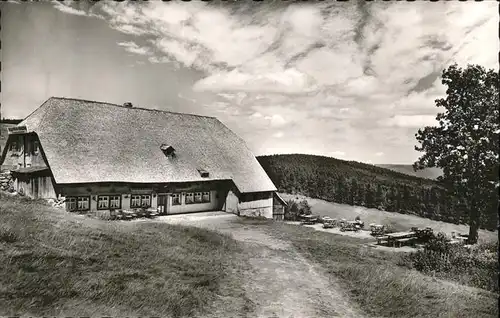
[
  {"x": 203, "y": 173},
  {"x": 168, "y": 150}
]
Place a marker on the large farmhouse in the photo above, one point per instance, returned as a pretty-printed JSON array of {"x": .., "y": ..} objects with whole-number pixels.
[{"x": 104, "y": 158}]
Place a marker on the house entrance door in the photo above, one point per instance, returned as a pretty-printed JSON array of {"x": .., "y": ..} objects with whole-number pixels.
[
  {"x": 162, "y": 204},
  {"x": 34, "y": 182},
  {"x": 232, "y": 203}
]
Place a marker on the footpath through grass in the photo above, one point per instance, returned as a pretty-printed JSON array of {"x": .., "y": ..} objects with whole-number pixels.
[
  {"x": 379, "y": 282},
  {"x": 56, "y": 264}
]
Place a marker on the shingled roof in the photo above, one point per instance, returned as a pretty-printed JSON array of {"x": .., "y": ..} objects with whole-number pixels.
[{"x": 87, "y": 141}]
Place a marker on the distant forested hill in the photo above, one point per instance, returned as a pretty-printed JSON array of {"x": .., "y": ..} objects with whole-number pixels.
[
  {"x": 429, "y": 173},
  {"x": 366, "y": 185}
]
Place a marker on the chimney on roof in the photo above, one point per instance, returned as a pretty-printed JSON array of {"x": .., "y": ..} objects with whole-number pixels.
[{"x": 128, "y": 104}]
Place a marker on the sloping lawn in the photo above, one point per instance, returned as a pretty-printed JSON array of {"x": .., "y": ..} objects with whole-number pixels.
[
  {"x": 54, "y": 263},
  {"x": 396, "y": 221},
  {"x": 378, "y": 281}
]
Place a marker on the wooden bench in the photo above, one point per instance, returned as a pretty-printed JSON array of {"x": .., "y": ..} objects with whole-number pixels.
[
  {"x": 128, "y": 214},
  {"x": 399, "y": 242},
  {"x": 382, "y": 240}
]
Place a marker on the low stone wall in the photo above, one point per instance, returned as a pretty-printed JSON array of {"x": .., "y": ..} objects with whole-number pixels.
[
  {"x": 266, "y": 212},
  {"x": 6, "y": 181}
]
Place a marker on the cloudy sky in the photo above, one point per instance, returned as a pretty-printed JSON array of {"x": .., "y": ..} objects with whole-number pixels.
[{"x": 349, "y": 80}]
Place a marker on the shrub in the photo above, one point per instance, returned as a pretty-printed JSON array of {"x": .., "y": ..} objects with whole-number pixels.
[
  {"x": 477, "y": 266},
  {"x": 304, "y": 207},
  {"x": 291, "y": 210},
  {"x": 389, "y": 228},
  {"x": 294, "y": 209}
]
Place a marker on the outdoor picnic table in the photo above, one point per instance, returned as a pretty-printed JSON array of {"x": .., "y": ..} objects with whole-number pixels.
[
  {"x": 461, "y": 238},
  {"x": 396, "y": 238},
  {"x": 382, "y": 239},
  {"x": 400, "y": 237}
]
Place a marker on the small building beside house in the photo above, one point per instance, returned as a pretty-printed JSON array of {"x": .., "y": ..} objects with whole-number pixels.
[{"x": 102, "y": 158}]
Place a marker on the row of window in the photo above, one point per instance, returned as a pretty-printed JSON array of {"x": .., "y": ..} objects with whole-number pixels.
[
  {"x": 15, "y": 146},
  {"x": 197, "y": 197},
  {"x": 105, "y": 202},
  {"x": 255, "y": 196},
  {"x": 191, "y": 198},
  {"x": 78, "y": 203}
]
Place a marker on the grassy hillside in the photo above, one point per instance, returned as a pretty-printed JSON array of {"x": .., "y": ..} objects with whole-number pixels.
[
  {"x": 60, "y": 264},
  {"x": 379, "y": 281},
  {"x": 429, "y": 173},
  {"x": 369, "y": 186},
  {"x": 396, "y": 221},
  {"x": 55, "y": 263}
]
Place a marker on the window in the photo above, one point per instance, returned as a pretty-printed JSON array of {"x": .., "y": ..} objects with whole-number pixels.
[
  {"x": 114, "y": 201},
  {"x": 206, "y": 197},
  {"x": 71, "y": 204},
  {"x": 189, "y": 198},
  {"x": 103, "y": 202},
  {"x": 197, "y": 197},
  {"x": 135, "y": 201},
  {"x": 108, "y": 202},
  {"x": 35, "y": 147},
  {"x": 14, "y": 145},
  {"x": 82, "y": 203},
  {"x": 145, "y": 201},
  {"x": 176, "y": 199}
]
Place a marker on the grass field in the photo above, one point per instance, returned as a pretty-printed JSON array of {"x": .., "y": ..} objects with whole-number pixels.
[
  {"x": 375, "y": 280},
  {"x": 54, "y": 263},
  {"x": 59, "y": 264},
  {"x": 397, "y": 221}
]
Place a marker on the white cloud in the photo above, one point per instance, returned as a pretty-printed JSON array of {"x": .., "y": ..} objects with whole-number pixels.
[
  {"x": 68, "y": 9},
  {"x": 134, "y": 48},
  {"x": 256, "y": 115},
  {"x": 337, "y": 153},
  {"x": 279, "y": 134},
  {"x": 129, "y": 29},
  {"x": 288, "y": 81},
  {"x": 379, "y": 154},
  {"x": 276, "y": 120},
  {"x": 156, "y": 59},
  {"x": 303, "y": 49},
  {"x": 410, "y": 121},
  {"x": 305, "y": 64}
]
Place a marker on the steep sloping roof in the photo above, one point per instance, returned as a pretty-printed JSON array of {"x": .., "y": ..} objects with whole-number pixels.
[{"x": 86, "y": 141}]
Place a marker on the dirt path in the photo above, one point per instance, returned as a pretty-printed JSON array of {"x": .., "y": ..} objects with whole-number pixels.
[{"x": 281, "y": 283}]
